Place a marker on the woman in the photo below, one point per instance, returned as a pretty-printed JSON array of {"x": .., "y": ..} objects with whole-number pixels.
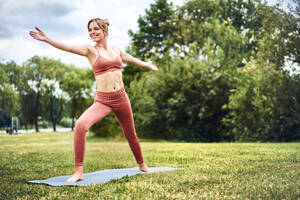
[{"x": 106, "y": 62}]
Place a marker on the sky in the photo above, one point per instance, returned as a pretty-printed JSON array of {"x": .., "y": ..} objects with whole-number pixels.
[{"x": 65, "y": 21}]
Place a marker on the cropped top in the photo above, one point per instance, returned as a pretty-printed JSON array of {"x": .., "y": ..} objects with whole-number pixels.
[{"x": 102, "y": 65}]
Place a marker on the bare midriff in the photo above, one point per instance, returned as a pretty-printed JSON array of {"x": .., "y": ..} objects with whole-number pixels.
[{"x": 109, "y": 81}]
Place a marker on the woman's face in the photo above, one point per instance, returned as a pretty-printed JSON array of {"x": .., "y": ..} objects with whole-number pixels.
[{"x": 95, "y": 32}]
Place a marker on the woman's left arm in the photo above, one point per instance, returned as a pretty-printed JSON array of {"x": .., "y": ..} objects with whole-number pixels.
[{"x": 130, "y": 59}]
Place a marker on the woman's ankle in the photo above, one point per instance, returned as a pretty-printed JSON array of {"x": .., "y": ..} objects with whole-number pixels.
[
  {"x": 141, "y": 165},
  {"x": 79, "y": 169}
]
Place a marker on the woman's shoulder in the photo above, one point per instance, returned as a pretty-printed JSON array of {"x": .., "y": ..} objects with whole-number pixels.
[
  {"x": 89, "y": 47},
  {"x": 116, "y": 48}
]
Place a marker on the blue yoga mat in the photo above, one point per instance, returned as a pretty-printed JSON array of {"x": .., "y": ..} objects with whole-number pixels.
[{"x": 99, "y": 176}]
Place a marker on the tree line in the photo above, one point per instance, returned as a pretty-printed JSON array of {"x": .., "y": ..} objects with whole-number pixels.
[
  {"x": 227, "y": 72},
  {"x": 43, "y": 89}
]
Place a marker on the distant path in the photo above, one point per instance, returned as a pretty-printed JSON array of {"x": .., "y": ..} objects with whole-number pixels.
[{"x": 41, "y": 130}]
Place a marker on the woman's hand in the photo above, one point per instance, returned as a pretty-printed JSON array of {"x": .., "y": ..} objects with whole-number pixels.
[
  {"x": 39, "y": 35},
  {"x": 82, "y": 50},
  {"x": 151, "y": 66}
]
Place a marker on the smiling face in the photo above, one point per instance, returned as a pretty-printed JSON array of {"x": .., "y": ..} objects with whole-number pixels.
[
  {"x": 95, "y": 32},
  {"x": 98, "y": 29}
]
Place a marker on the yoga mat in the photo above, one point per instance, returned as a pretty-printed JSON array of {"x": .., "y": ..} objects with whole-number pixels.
[{"x": 99, "y": 176}]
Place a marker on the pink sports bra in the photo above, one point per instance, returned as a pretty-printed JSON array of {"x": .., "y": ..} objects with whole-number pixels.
[{"x": 102, "y": 65}]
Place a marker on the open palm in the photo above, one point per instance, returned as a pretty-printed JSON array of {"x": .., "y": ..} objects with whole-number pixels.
[
  {"x": 152, "y": 67},
  {"x": 39, "y": 35}
]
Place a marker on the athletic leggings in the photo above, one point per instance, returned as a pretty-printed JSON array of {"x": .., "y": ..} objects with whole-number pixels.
[{"x": 104, "y": 103}]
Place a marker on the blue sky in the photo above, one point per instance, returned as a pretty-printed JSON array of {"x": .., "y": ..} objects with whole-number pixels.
[{"x": 64, "y": 20}]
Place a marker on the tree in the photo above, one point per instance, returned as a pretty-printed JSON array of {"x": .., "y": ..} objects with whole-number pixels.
[
  {"x": 9, "y": 97},
  {"x": 43, "y": 80},
  {"x": 279, "y": 37},
  {"x": 31, "y": 96},
  {"x": 164, "y": 28},
  {"x": 188, "y": 97},
  {"x": 78, "y": 84},
  {"x": 265, "y": 105},
  {"x": 154, "y": 28},
  {"x": 55, "y": 97},
  {"x": 184, "y": 99}
]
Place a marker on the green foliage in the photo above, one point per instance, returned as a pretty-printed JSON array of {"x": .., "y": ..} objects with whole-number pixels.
[
  {"x": 77, "y": 83},
  {"x": 184, "y": 99},
  {"x": 165, "y": 28},
  {"x": 200, "y": 92},
  {"x": 176, "y": 102},
  {"x": 66, "y": 122},
  {"x": 130, "y": 71},
  {"x": 203, "y": 90},
  {"x": 278, "y": 37},
  {"x": 50, "y": 87},
  {"x": 47, "y": 89},
  {"x": 107, "y": 127},
  {"x": 155, "y": 27},
  {"x": 265, "y": 105},
  {"x": 43, "y": 124},
  {"x": 40, "y": 75},
  {"x": 9, "y": 97}
]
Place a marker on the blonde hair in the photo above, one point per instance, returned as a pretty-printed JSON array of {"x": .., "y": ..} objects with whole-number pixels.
[{"x": 102, "y": 23}]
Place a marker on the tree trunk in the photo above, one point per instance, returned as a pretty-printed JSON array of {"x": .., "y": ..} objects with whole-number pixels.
[
  {"x": 74, "y": 105},
  {"x": 73, "y": 122},
  {"x": 54, "y": 117},
  {"x": 36, "y": 125},
  {"x": 54, "y": 125},
  {"x": 37, "y": 103},
  {"x": 51, "y": 114}
]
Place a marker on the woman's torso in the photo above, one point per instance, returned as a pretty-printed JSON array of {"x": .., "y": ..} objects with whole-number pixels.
[
  {"x": 108, "y": 79},
  {"x": 109, "y": 82}
]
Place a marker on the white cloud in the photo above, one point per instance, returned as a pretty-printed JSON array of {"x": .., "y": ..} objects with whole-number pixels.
[{"x": 65, "y": 21}]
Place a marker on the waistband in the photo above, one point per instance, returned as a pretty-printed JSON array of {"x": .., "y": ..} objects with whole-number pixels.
[{"x": 111, "y": 95}]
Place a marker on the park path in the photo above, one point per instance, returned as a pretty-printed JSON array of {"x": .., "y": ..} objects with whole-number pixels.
[{"x": 41, "y": 130}]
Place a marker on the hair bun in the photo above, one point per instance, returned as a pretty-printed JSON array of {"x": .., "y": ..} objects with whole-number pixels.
[
  {"x": 106, "y": 22},
  {"x": 102, "y": 23}
]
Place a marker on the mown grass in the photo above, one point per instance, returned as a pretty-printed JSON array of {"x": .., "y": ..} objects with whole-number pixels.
[{"x": 211, "y": 170}]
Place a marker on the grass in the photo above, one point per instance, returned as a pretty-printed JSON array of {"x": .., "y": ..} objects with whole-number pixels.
[{"x": 211, "y": 170}]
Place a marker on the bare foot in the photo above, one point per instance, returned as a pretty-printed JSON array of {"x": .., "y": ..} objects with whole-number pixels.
[
  {"x": 144, "y": 168},
  {"x": 76, "y": 177}
]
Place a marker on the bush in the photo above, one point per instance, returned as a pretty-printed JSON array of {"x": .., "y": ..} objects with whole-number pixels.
[
  {"x": 182, "y": 101},
  {"x": 265, "y": 106},
  {"x": 43, "y": 124},
  {"x": 107, "y": 127},
  {"x": 66, "y": 122}
]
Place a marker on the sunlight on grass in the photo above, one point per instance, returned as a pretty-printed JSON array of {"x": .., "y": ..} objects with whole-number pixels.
[{"x": 211, "y": 170}]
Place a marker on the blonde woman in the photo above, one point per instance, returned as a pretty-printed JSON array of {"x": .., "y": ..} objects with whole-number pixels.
[{"x": 106, "y": 62}]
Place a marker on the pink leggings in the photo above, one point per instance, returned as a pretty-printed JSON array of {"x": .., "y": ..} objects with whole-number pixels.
[{"x": 104, "y": 103}]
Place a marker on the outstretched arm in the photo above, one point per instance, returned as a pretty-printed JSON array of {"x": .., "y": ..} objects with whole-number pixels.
[
  {"x": 130, "y": 59},
  {"x": 77, "y": 49}
]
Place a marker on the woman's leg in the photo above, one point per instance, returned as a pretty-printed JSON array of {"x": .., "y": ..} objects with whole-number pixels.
[
  {"x": 93, "y": 114},
  {"x": 124, "y": 115}
]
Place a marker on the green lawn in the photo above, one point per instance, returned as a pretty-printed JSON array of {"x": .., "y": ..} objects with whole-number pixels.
[{"x": 211, "y": 170}]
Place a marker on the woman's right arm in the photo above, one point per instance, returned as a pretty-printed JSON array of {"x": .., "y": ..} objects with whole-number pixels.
[{"x": 77, "y": 49}]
